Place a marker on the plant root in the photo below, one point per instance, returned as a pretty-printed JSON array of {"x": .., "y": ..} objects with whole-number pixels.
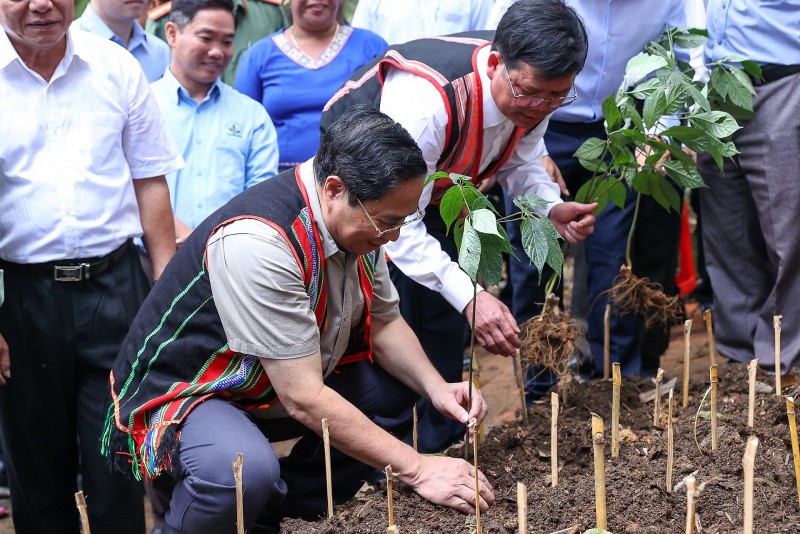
[
  {"x": 632, "y": 294},
  {"x": 549, "y": 340}
]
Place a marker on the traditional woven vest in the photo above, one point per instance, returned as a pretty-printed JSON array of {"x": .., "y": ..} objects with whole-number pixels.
[
  {"x": 176, "y": 354},
  {"x": 449, "y": 63}
]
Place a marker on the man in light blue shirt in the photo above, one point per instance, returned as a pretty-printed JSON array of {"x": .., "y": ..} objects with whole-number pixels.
[
  {"x": 227, "y": 139},
  {"x": 116, "y": 20},
  {"x": 750, "y": 208}
]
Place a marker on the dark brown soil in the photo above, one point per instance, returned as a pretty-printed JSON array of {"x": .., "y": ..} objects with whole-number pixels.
[{"x": 635, "y": 482}]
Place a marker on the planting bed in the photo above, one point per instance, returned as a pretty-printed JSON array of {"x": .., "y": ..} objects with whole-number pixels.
[{"x": 635, "y": 482}]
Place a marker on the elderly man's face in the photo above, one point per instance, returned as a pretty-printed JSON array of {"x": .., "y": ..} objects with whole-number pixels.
[{"x": 36, "y": 25}]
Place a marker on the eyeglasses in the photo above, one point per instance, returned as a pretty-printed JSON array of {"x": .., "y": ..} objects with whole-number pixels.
[
  {"x": 533, "y": 101},
  {"x": 381, "y": 233}
]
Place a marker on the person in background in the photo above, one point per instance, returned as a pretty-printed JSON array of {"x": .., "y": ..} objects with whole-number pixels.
[
  {"x": 255, "y": 19},
  {"x": 751, "y": 241},
  {"x": 507, "y": 88},
  {"x": 227, "y": 140},
  {"x": 117, "y": 20},
  {"x": 82, "y": 168},
  {"x": 295, "y": 71},
  {"x": 400, "y": 22},
  {"x": 278, "y": 312}
]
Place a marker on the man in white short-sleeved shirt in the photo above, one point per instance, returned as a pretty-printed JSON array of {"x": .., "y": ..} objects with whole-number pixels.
[{"x": 82, "y": 168}]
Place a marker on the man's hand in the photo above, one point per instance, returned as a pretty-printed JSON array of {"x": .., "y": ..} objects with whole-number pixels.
[
  {"x": 452, "y": 400},
  {"x": 495, "y": 328},
  {"x": 573, "y": 221},
  {"x": 555, "y": 174},
  {"x": 5, "y": 362},
  {"x": 451, "y": 482},
  {"x": 182, "y": 231}
]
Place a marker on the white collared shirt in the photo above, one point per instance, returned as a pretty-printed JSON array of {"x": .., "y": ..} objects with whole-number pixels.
[
  {"x": 416, "y": 253},
  {"x": 70, "y": 149}
]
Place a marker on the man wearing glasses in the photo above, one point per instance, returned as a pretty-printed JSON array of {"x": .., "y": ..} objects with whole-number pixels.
[{"x": 476, "y": 104}]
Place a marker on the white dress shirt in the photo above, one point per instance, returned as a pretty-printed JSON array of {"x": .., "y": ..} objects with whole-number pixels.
[
  {"x": 70, "y": 149},
  {"x": 400, "y": 21},
  {"x": 417, "y": 105}
]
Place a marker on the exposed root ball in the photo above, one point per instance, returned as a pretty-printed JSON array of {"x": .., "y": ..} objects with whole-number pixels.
[
  {"x": 632, "y": 294},
  {"x": 549, "y": 340}
]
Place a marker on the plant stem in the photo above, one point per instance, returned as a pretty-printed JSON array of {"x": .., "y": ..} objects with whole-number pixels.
[{"x": 628, "y": 261}]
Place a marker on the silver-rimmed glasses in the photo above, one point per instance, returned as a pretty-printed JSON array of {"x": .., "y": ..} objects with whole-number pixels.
[
  {"x": 533, "y": 101},
  {"x": 381, "y": 233}
]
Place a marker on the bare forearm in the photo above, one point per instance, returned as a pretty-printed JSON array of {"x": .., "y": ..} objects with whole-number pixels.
[{"x": 155, "y": 212}]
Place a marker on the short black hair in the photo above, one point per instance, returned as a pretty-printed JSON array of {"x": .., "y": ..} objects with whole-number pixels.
[
  {"x": 183, "y": 12},
  {"x": 369, "y": 152},
  {"x": 548, "y": 35}
]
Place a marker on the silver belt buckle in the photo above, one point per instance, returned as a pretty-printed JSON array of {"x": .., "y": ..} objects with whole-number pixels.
[{"x": 71, "y": 273}]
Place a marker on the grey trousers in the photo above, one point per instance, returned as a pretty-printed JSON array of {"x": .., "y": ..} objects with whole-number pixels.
[{"x": 750, "y": 232}]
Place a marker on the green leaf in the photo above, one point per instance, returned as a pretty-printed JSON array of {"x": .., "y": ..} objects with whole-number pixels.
[
  {"x": 654, "y": 107},
  {"x": 719, "y": 82},
  {"x": 611, "y": 112},
  {"x": 685, "y": 40},
  {"x": 594, "y": 165},
  {"x": 450, "y": 206},
  {"x": 469, "y": 254},
  {"x": 617, "y": 193},
  {"x": 484, "y": 221},
  {"x": 458, "y": 233},
  {"x": 531, "y": 202},
  {"x": 698, "y": 97},
  {"x": 664, "y": 193},
  {"x": 490, "y": 267},
  {"x": 435, "y": 176},
  {"x": 540, "y": 242},
  {"x": 635, "y": 135},
  {"x": 740, "y": 89},
  {"x": 686, "y": 176},
  {"x": 645, "y": 89},
  {"x": 752, "y": 68},
  {"x": 641, "y": 65},
  {"x": 682, "y": 133},
  {"x": 583, "y": 193},
  {"x": 592, "y": 148},
  {"x": 475, "y": 199},
  {"x": 717, "y": 123}
]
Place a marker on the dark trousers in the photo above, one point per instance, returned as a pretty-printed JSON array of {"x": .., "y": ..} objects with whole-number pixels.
[
  {"x": 442, "y": 331},
  {"x": 63, "y": 338},
  {"x": 204, "y": 498}
]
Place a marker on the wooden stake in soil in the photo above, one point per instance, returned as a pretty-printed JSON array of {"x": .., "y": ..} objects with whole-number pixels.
[
  {"x": 615, "y": 410},
  {"x": 80, "y": 500},
  {"x": 670, "y": 444},
  {"x": 657, "y": 404},
  {"x": 776, "y": 323},
  {"x": 237, "y": 478},
  {"x": 522, "y": 507},
  {"x": 554, "y": 439},
  {"x": 687, "y": 331},
  {"x": 749, "y": 462},
  {"x": 414, "y": 435},
  {"x": 598, "y": 446},
  {"x": 476, "y": 379},
  {"x": 326, "y": 441},
  {"x": 478, "y": 529},
  {"x": 712, "y": 346},
  {"x": 389, "y": 496},
  {"x": 751, "y": 395},
  {"x": 714, "y": 435},
  {"x": 606, "y": 341},
  {"x": 521, "y": 386},
  {"x": 795, "y": 447},
  {"x": 691, "y": 487}
]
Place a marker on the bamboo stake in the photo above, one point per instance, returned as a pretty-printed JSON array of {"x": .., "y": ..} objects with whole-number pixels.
[
  {"x": 712, "y": 346},
  {"x": 389, "y": 496},
  {"x": 714, "y": 435},
  {"x": 795, "y": 447},
  {"x": 554, "y": 439},
  {"x": 522, "y": 507},
  {"x": 414, "y": 435},
  {"x": 615, "y": 410},
  {"x": 326, "y": 440},
  {"x": 478, "y": 529},
  {"x": 776, "y": 323},
  {"x": 521, "y": 387},
  {"x": 607, "y": 341},
  {"x": 691, "y": 487},
  {"x": 598, "y": 444},
  {"x": 749, "y": 462},
  {"x": 687, "y": 331},
  {"x": 751, "y": 395},
  {"x": 237, "y": 477},
  {"x": 657, "y": 405},
  {"x": 670, "y": 444},
  {"x": 80, "y": 500}
]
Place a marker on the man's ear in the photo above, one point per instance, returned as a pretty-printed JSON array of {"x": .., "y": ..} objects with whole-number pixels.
[
  {"x": 493, "y": 64},
  {"x": 171, "y": 30},
  {"x": 334, "y": 187}
]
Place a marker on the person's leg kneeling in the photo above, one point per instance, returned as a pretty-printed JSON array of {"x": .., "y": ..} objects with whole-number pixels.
[{"x": 204, "y": 498}]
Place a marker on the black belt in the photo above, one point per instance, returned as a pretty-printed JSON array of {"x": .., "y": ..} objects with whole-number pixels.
[
  {"x": 71, "y": 270},
  {"x": 771, "y": 72}
]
